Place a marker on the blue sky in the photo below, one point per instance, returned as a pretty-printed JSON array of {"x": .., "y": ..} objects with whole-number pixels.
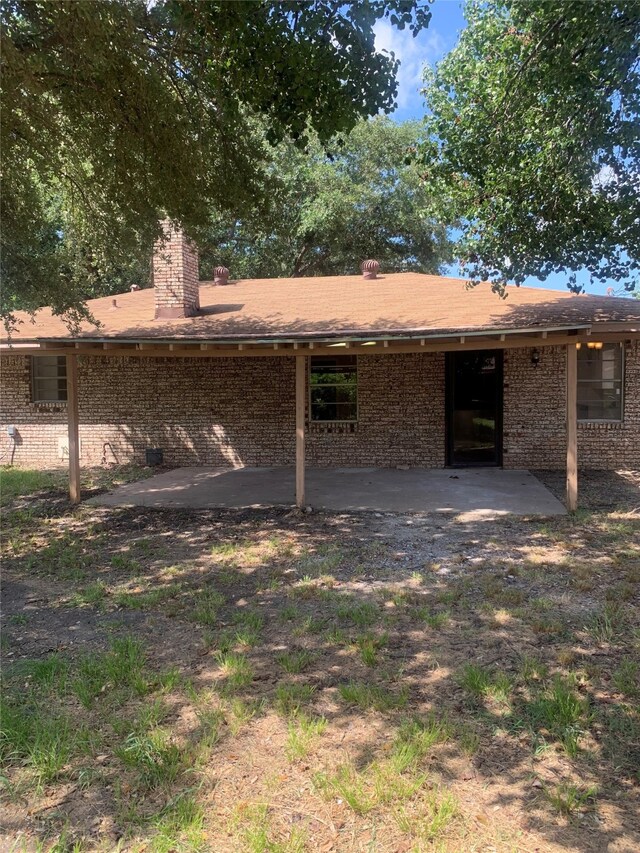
[{"x": 426, "y": 49}]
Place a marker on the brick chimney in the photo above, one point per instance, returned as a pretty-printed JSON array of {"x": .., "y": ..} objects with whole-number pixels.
[{"x": 175, "y": 274}]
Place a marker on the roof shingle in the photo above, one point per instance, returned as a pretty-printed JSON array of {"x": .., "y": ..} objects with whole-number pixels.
[{"x": 302, "y": 308}]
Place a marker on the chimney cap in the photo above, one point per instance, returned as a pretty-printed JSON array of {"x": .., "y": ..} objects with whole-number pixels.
[
  {"x": 220, "y": 275},
  {"x": 369, "y": 268}
]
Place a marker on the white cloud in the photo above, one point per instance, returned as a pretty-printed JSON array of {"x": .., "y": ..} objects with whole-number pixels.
[{"x": 413, "y": 53}]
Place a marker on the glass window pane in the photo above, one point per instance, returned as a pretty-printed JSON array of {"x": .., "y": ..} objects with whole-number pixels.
[
  {"x": 600, "y": 383},
  {"x": 334, "y": 388},
  {"x": 49, "y": 378}
]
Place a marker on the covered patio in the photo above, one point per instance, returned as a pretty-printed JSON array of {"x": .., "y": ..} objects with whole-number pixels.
[
  {"x": 373, "y": 392},
  {"x": 474, "y": 493}
]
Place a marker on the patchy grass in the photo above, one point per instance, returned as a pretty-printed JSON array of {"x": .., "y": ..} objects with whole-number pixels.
[
  {"x": 263, "y": 681},
  {"x": 569, "y": 799},
  {"x": 302, "y": 732},
  {"x": 15, "y": 483},
  {"x": 366, "y": 696},
  {"x": 295, "y": 661}
]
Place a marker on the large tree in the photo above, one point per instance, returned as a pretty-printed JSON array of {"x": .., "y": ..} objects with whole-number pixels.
[
  {"x": 534, "y": 139},
  {"x": 117, "y": 112},
  {"x": 333, "y": 205}
]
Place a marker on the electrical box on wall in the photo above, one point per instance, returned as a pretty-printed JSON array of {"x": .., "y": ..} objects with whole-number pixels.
[{"x": 12, "y": 431}]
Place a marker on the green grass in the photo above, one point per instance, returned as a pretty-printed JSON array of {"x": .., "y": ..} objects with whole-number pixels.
[
  {"x": 179, "y": 826},
  {"x": 239, "y": 712},
  {"x": 207, "y": 606},
  {"x": 40, "y": 739},
  {"x": 349, "y": 785},
  {"x": 433, "y": 816},
  {"x": 290, "y": 698},
  {"x": 369, "y": 646},
  {"x": 569, "y": 799},
  {"x": 121, "y": 669},
  {"x": 253, "y": 824},
  {"x": 90, "y": 595},
  {"x": 434, "y": 619},
  {"x": 380, "y": 784},
  {"x": 414, "y": 740},
  {"x": 606, "y": 623},
  {"x": 560, "y": 712},
  {"x": 50, "y": 673},
  {"x": 16, "y": 483},
  {"x": 289, "y": 613},
  {"x": 362, "y": 615},
  {"x": 475, "y": 679},
  {"x": 147, "y": 716},
  {"x": 237, "y": 670},
  {"x": 250, "y": 625},
  {"x": 155, "y": 758},
  {"x": 366, "y": 696},
  {"x": 481, "y": 682},
  {"x": 626, "y": 678},
  {"x": 302, "y": 731},
  {"x": 146, "y": 600},
  {"x": 296, "y": 661}
]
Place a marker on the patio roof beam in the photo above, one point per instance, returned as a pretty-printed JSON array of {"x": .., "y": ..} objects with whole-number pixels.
[
  {"x": 72, "y": 425},
  {"x": 253, "y": 349},
  {"x": 301, "y": 387},
  {"x": 572, "y": 427}
]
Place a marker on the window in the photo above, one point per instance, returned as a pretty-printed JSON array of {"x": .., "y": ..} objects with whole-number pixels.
[
  {"x": 49, "y": 378},
  {"x": 600, "y": 382},
  {"x": 333, "y": 393}
]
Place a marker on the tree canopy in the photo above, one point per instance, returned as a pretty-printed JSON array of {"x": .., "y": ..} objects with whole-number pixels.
[
  {"x": 119, "y": 112},
  {"x": 332, "y": 206},
  {"x": 534, "y": 139}
]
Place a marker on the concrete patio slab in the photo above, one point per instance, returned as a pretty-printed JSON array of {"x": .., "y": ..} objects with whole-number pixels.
[{"x": 474, "y": 492}]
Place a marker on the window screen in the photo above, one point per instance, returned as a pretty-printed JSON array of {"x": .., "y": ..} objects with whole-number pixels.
[
  {"x": 600, "y": 382},
  {"x": 333, "y": 391},
  {"x": 49, "y": 378}
]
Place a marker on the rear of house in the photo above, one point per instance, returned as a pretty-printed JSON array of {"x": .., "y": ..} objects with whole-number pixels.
[{"x": 371, "y": 370}]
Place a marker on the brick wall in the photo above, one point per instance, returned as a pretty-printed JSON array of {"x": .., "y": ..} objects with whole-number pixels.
[
  {"x": 227, "y": 412},
  {"x": 534, "y": 415},
  {"x": 241, "y": 411}
]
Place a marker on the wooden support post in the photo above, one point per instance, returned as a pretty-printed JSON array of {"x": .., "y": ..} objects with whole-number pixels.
[
  {"x": 72, "y": 420},
  {"x": 572, "y": 427},
  {"x": 301, "y": 387}
]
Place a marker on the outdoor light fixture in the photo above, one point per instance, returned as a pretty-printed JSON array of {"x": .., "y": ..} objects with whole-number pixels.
[{"x": 535, "y": 357}]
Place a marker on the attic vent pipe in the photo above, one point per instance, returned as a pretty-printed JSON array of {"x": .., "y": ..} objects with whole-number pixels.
[
  {"x": 369, "y": 269},
  {"x": 220, "y": 275}
]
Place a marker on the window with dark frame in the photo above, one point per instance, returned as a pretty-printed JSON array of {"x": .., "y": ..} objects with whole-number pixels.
[
  {"x": 333, "y": 388},
  {"x": 49, "y": 379},
  {"x": 600, "y": 382}
]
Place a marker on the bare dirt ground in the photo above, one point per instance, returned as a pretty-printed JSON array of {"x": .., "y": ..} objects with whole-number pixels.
[{"x": 270, "y": 681}]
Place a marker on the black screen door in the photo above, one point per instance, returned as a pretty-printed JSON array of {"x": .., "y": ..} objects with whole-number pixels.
[{"x": 474, "y": 410}]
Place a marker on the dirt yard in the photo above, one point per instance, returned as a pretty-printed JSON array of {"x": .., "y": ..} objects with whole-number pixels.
[{"x": 269, "y": 681}]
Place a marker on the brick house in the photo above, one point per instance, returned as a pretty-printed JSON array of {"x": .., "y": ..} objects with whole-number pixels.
[{"x": 369, "y": 370}]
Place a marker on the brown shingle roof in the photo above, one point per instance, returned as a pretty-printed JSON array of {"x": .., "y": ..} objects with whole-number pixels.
[{"x": 289, "y": 308}]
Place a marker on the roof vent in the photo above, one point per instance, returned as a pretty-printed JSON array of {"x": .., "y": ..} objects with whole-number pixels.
[
  {"x": 369, "y": 269},
  {"x": 221, "y": 275},
  {"x": 134, "y": 287}
]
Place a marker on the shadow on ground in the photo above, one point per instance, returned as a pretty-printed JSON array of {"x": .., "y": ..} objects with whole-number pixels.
[{"x": 518, "y": 636}]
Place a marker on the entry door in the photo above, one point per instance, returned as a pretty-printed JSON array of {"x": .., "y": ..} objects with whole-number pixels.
[{"x": 474, "y": 408}]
